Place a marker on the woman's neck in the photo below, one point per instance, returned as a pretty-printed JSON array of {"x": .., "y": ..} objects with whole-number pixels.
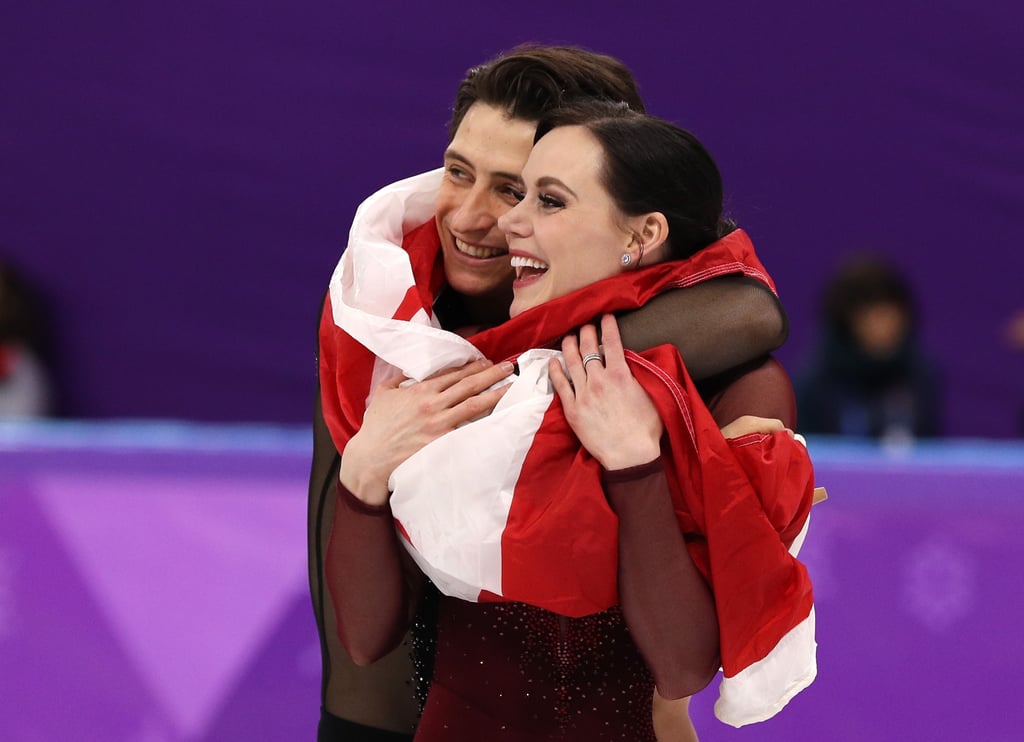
[{"x": 468, "y": 315}]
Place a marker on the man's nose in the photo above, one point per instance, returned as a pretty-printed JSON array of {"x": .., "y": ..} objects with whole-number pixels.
[{"x": 476, "y": 213}]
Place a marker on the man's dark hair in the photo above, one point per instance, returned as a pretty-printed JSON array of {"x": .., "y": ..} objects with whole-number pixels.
[{"x": 530, "y": 80}]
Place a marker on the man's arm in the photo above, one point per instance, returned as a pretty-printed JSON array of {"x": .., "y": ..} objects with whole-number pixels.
[
  {"x": 373, "y": 586},
  {"x": 716, "y": 325},
  {"x": 323, "y": 475},
  {"x": 378, "y": 695}
]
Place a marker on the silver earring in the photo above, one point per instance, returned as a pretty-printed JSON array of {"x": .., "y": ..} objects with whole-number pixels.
[{"x": 626, "y": 258}]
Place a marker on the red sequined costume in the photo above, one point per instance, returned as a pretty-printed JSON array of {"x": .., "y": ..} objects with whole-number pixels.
[
  {"x": 515, "y": 672},
  {"x": 510, "y": 671}
]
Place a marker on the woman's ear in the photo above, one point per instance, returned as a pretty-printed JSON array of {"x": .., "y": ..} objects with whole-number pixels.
[{"x": 650, "y": 234}]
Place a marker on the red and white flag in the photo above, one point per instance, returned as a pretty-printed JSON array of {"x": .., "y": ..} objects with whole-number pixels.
[{"x": 510, "y": 507}]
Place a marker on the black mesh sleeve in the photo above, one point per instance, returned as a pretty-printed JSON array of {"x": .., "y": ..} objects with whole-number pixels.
[
  {"x": 667, "y": 605},
  {"x": 716, "y": 325}
]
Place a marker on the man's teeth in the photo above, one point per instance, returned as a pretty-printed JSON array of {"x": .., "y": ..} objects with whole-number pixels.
[{"x": 475, "y": 251}]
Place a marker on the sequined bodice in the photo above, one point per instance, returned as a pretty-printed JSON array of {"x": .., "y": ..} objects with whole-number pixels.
[{"x": 511, "y": 671}]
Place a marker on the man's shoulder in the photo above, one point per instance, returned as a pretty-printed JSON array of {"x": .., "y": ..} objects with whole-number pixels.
[{"x": 423, "y": 236}]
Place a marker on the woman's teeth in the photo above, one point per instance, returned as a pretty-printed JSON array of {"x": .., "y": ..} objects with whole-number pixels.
[{"x": 523, "y": 264}]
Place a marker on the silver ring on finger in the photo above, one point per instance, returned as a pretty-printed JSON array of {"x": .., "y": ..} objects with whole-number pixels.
[{"x": 590, "y": 357}]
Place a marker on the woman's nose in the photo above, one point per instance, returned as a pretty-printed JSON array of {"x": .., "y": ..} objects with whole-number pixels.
[{"x": 512, "y": 222}]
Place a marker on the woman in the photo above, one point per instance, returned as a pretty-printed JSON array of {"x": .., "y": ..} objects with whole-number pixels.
[
  {"x": 518, "y": 669},
  {"x": 494, "y": 118}
]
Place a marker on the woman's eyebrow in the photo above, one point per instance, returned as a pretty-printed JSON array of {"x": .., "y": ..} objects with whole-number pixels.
[{"x": 549, "y": 180}]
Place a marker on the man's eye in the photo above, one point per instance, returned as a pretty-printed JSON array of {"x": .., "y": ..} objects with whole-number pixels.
[
  {"x": 455, "y": 171},
  {"x": 515, "y": 193},
  {"x": 550, "y": 202}
]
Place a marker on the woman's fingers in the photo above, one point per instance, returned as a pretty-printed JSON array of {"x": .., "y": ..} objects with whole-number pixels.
[
  {"x": 588, "y": 341},
  {"x": 560, "y": 382},
  {"x": 448, "y": 390},
  {"x": 604, "y": 351},
  {"x": 611, "y": 341},
  {"x": 590, "y": 350},
  {"x": 475, "y": 407},
  {"x": 443, "y": 380},
  {"x": 471, "y": 396},
  {"x": 573, "y": 362}
]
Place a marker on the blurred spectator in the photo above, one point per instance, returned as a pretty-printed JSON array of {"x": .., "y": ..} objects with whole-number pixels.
[
  {"x": 25, "y": 388},
  {"x": 1015, "y": 331},
  {"x": 1015, "y": 339},
  {"x": 868, "y": 376}
]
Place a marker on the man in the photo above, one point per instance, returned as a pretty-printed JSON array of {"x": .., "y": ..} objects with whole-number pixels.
[{"x": 717, "y": 325}]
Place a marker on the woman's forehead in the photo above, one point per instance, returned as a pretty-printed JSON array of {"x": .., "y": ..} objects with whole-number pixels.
[{"x": 569, "y": 152}]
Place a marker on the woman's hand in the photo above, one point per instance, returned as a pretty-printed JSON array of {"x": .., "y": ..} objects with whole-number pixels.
[
  {"x": 400, "y": 420},
  {"x": 609, "y": 411}
]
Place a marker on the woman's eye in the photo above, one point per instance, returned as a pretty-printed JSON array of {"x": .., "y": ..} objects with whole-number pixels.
[{"x": 550, "y": 202}]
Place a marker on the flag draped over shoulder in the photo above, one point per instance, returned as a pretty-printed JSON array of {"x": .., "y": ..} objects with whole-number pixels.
[{"x": 510, "y": 507}]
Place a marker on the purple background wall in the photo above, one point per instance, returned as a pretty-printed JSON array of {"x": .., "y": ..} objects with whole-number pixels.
[{"x": 179, "y": 177}]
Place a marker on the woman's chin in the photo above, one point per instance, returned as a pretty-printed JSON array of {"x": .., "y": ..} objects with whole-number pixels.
[{"x": 519, "y": 305}]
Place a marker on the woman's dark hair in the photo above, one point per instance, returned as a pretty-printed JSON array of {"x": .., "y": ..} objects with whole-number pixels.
[
  {"x": 531, "y": 80},
  {"x": 653, "y": 165}
]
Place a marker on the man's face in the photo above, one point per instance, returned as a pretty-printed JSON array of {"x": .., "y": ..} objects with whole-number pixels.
[{"x": 482, "y": 180}]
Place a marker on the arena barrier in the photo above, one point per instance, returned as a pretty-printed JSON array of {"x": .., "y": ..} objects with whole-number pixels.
[{"x": 153, "y": 588}]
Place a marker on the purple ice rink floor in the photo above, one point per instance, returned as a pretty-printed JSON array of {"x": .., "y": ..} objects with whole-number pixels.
[{"x": 153, "y": 589}]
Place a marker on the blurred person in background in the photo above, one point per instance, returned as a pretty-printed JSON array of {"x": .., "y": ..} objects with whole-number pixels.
[
  {"x": 1015, "y": 339},
  {"x": 869, "y": 376},
  {"x": 1015, "y": 330},
  {"x": 25, "y": 388}
]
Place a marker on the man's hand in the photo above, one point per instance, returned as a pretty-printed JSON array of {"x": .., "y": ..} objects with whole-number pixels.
[{"x": 747, "y": 424}]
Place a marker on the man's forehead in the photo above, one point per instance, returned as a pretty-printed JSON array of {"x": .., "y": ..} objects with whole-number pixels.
[{"x": 488, "y": 140}]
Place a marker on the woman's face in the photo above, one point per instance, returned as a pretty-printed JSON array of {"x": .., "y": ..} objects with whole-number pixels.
[{"x": 567, "y": 232}]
